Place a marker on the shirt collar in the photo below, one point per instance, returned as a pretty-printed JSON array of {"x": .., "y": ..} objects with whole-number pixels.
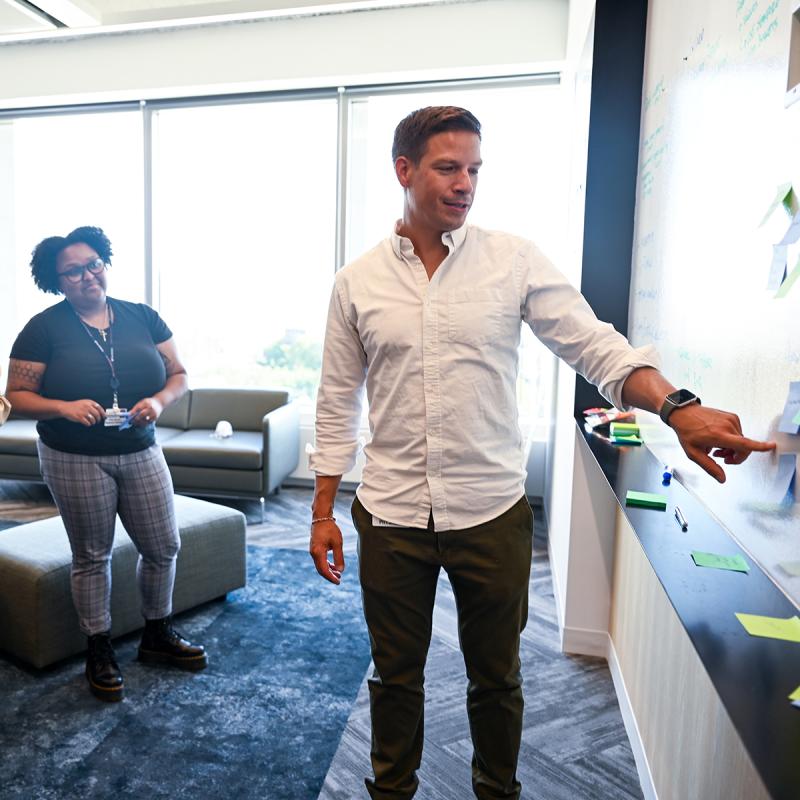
[{"x": 403, "y": 248}]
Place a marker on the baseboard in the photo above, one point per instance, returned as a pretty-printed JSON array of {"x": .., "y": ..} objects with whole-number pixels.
[
  {"x": 631, "y": 727},
  {"x": 556, "y": 593},
  {"x": 583, "y": 642}
]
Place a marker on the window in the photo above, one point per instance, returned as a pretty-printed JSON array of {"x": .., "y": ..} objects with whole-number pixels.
[
  {"x": 244, "y": 209},
  {"x": 523, "y": 187},
  {"x": 58, "y": 173},
  {"x": 245, "y": 215}
]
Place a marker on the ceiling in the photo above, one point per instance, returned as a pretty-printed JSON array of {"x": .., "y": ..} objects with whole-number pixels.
[{"x": 19, "y": 17}]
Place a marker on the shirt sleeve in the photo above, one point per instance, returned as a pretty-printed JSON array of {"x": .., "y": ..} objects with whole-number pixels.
[
  {"x": 159, "y": 330},
  {"x": 560, "y": 317},
  {"x": 32, "y": 343},
  {"x": 341, "y": 392}
]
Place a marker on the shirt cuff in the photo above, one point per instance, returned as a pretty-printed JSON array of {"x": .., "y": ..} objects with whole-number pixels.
[
  {"x": 611, "y": 388},
  {"x": 332, "y": 462}
]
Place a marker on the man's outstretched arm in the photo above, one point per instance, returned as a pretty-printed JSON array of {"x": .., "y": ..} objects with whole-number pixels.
[{"x": 700, "y": 429}]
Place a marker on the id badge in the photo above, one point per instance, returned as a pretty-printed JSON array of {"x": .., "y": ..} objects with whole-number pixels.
[{"x": 115, "y": 417}]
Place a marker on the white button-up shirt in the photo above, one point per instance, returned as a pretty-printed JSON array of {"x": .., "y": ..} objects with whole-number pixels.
[{"x": 440, "y": 358}]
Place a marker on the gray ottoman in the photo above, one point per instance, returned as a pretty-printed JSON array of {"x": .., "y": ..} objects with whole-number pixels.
[{"x": 38, "y": 623}]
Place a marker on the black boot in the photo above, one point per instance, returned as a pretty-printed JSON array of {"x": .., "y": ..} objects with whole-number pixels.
[
  {"x": 162, "y": 644},
  {"x": 102, "y": 670}
]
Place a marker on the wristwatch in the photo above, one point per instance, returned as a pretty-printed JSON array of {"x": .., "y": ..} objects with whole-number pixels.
[{"x": 679, "y": 399}]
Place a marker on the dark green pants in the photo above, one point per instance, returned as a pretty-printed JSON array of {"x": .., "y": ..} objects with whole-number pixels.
[{"x": 489, "y": 569}]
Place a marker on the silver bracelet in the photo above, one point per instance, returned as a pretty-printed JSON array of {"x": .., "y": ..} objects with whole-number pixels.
[{"x": 323, "y": 519}]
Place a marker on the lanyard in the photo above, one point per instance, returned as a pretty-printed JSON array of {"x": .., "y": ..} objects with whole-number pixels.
[{"x": 109, "y": 357}]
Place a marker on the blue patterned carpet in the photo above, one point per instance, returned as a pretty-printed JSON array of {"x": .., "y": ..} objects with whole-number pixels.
[{"x": 287, "y": 656}]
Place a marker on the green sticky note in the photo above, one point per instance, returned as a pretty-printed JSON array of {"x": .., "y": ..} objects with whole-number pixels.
[
  {"x": 771, "y": 627},
  {"x": 789, "y": 282},
  {"x": 735, "y": 563},
  {"x": 624, "y": 429},
  {"x": 795, "y": 695},
  {"x": 783, "y": 197},
  {"x": 645, "y": 500},
  {"x": 631, "y": 440},
  {"x": 796, "y": 419}
]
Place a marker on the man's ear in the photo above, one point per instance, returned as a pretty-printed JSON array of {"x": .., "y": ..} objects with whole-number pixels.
[{"x": 403, "y": 168}]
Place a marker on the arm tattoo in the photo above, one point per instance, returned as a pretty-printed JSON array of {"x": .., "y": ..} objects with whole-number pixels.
[
  {"x": 172, "y": 366},
  {"x": 25, "y": 375}
]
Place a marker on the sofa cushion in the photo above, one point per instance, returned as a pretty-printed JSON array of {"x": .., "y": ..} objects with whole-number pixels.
[
  {"x": 243, "y": 408},
  {"x": 205, "y": 481},
  {"x": 165, "y": 434},
  {"x": 176, "y": 415},
  {"x": 20, "y": 468},
  {"x": 19, "y": 437},
  {"x": 243, "y": 450}
]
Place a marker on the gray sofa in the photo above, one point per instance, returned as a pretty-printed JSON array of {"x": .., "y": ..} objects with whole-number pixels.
[{"x": 261, "y": 454}]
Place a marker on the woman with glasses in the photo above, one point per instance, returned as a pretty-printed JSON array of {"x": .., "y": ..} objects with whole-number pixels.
[{"x": 97, "y": 372}]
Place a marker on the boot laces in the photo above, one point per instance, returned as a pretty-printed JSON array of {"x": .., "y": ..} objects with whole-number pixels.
[{"x": 102, "y": 650}]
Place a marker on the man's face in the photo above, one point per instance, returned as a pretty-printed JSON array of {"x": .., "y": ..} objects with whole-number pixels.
[{"x": 441, "y": 188}]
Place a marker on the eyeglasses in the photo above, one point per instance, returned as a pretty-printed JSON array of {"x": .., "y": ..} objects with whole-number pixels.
[{"x": 75, "y": 274}]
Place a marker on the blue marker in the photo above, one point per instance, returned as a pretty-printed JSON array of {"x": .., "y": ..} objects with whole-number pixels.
[{"x": 667, "y": 475}]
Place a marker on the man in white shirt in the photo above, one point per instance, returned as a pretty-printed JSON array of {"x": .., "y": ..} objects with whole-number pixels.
[{"x": 430, "y": 321}]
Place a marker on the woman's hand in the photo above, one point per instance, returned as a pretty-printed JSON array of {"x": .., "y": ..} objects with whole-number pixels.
[
  {"x": 84, "y": 412},
  {"x": 147, "y": 410}
]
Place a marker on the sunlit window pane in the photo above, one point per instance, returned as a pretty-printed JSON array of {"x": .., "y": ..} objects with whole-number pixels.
[
  {"x": 58, "y": 173},
  {"x": 244, "y": 239}
]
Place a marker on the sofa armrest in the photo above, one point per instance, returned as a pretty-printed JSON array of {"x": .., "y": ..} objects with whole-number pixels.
[{"x": 281, "y": 445}]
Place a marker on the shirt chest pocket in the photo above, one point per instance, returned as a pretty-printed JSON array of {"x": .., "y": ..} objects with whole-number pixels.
[{"x": 474, "y": 316}]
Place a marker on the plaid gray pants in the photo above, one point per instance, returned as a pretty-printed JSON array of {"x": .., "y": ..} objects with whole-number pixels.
[{"x": 89, "y": 492}]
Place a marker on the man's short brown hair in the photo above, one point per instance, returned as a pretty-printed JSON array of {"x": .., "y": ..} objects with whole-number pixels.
[{"x": 412, "y": 134}]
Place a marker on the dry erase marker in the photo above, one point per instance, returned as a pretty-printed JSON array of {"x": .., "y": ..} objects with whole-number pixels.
[
  {"x": 681, "y": 519},
  {"x": 666, "y": 477}
]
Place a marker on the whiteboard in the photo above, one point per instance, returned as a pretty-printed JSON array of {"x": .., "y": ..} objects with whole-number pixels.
[{"x": 716, "y": 142}]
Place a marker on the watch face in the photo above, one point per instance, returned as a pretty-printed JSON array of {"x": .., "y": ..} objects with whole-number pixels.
[{"x": 682, "y": 396}]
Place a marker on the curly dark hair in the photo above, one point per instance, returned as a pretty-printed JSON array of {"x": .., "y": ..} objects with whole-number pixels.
[
  {"x": 44, "y": 255},
  {"x": 412, "y": 134}
]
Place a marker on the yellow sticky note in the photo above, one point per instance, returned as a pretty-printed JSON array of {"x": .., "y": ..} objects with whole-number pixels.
[
  {"x": 771, "y": 627},
  {"x": 795, "y": 695}
]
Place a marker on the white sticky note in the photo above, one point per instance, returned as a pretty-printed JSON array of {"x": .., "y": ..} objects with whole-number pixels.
[
  {"x": 790, "y": 410},
  {"x": 777, "y": 270},
  {"x": 787, "y": 466},
  {"x": 793, "y": 232}
]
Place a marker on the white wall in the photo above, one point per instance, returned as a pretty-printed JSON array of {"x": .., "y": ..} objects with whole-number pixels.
[
  {"x": 559, "y": 502},
  {"x": 453, "y": 40}
]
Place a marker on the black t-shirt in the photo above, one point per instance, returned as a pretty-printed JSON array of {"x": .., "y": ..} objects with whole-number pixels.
[{"x": 77, "y": 370}]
